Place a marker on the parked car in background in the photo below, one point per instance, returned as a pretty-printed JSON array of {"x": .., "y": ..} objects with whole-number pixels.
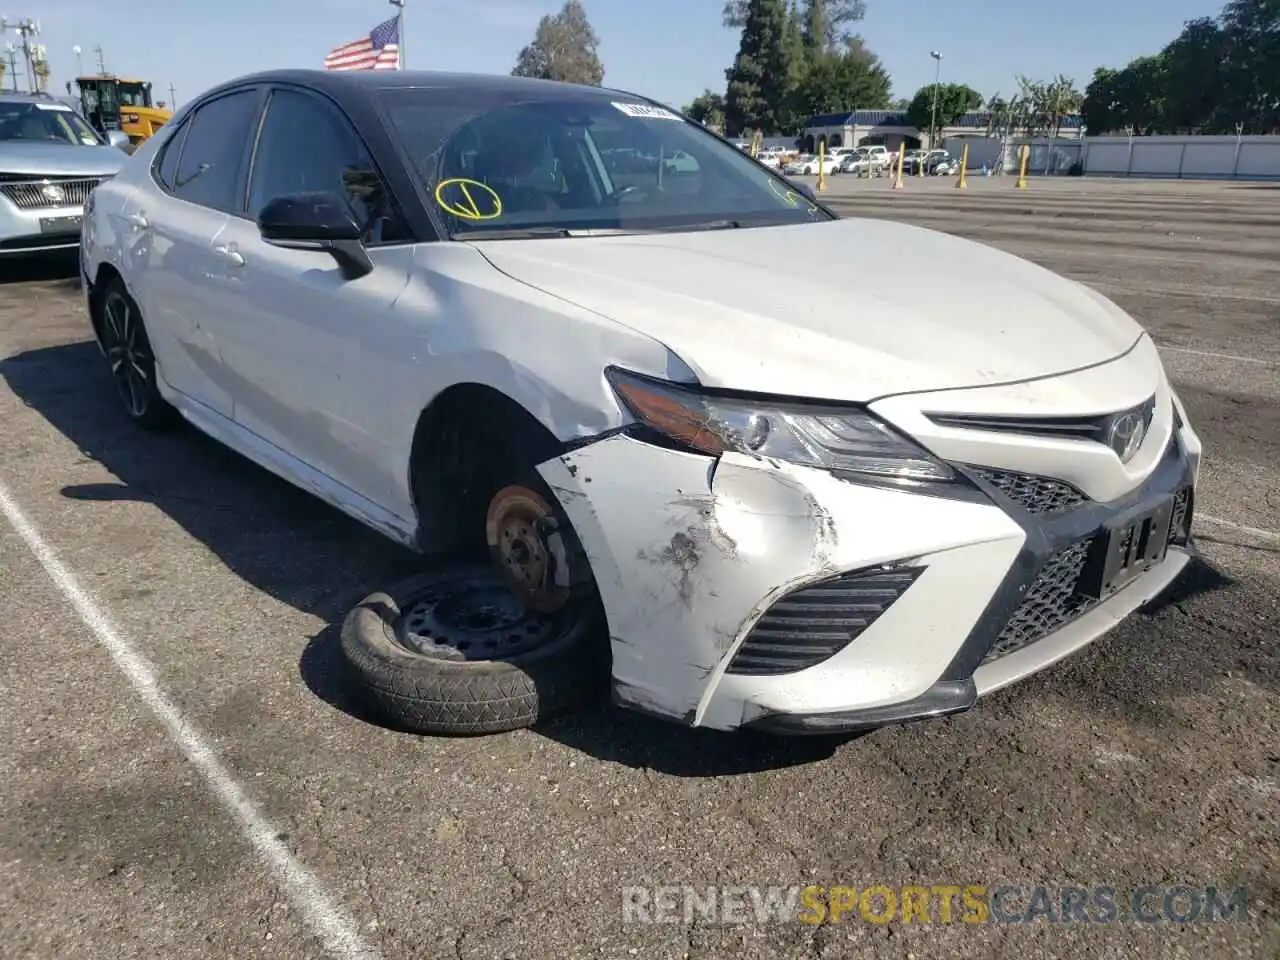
[
  {"x": 930, "y": 159},
  {"x": 942, "y": 164},
  {"x": 864, "y": 160},
  {"x": 807, "y": 165},
  {"x": 51, "y": 159}
]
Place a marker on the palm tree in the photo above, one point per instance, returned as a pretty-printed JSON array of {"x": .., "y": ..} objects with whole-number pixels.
[{"x": 42, "y": 72}]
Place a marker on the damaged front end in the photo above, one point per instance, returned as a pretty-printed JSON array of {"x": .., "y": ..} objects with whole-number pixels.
[{"x": 754, "y": 558}]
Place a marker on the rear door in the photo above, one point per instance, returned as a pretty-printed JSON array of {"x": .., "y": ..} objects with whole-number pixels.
[{"x": 175, "y": 271}]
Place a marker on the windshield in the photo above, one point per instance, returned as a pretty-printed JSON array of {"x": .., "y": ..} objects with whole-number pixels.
[
  {"x": 134, "y": 95},
  {"x": 552, "y": 164},
  {"x": 45, "y": 123}
]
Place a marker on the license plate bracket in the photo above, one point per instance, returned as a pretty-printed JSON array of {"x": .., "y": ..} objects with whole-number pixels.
[
  {"x": 1125, "y": 550},
  {"x": 61, "y": 224}
]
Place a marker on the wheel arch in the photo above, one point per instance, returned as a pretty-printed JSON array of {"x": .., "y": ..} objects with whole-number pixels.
[
  {"x": 102, "y": 278},
  {"x": 467, "y": 428}
]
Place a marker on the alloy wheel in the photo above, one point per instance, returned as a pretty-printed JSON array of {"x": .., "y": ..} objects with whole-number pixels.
[{"x": 128, "y": 353}]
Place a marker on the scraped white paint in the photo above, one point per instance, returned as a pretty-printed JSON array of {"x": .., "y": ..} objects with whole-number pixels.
[
  {"x": 1242, "y": 527},
  {"x": 335, "y": 929}
]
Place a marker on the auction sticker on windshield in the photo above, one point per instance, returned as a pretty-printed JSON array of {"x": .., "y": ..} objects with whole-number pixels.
[{"x": 645, "y": 111}]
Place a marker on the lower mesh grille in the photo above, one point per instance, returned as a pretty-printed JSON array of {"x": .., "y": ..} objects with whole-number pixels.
[
  {"x": 816, "y": 622},
  {"x": 1034, "y": 494},
  {"x": 1052, "y": 601}
]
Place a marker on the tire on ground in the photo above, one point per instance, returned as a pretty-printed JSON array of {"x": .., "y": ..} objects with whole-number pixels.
[{"x": 423, "y": 694}]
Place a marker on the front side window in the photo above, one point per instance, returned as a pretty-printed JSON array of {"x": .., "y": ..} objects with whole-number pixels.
[
  {"x": 554, "y": 163},
  {"x": 307, "y": 147},
  {"x": 208, "y": 170},
  {"x": 45, "y": 123}
]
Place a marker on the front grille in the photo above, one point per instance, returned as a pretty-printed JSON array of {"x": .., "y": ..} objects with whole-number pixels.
[
  {"x": 1034, "y": 494},
  {"x": 816, "y": 622},
  {"x": 1052, "y": 601},
  {"x": 50, "y": 193}
]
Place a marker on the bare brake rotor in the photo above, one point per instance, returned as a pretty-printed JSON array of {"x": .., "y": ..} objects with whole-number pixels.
[{"x": 527, "y": 545}]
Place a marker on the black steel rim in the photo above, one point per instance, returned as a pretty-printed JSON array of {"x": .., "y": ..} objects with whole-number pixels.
[{"x": 474, "y": 618}]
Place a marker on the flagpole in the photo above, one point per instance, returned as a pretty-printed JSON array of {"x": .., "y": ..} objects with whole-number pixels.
[{"x": 399, "y": 5}]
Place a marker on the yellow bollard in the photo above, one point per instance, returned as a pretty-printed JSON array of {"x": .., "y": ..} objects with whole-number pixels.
[
  {"x": 1021, "y": 183},
  {"x": 920, "y": 164},
  {"x": 902, "y": 156},
  {"x": 962, "y": 183},
  {"x": 822, "y": 166}
]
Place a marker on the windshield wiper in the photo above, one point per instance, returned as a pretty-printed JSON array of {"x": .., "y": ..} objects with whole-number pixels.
[
  {"x": 515, "y": 233},
  {"x": 709, "y": 225}
]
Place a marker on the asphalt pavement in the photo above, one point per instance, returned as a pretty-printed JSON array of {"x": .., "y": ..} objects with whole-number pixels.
[{"x": 184, "y": 772}]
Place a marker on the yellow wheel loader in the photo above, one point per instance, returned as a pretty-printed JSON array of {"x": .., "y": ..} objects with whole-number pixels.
[{"x": 109, "y": 102}]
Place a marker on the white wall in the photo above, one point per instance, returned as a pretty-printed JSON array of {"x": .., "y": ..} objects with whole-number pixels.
[{"x": 1188, "y": 157}]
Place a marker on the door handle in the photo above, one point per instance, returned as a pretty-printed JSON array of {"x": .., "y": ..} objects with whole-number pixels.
[
  {"x": 138, "y": 221},
  {"x": 230, "y": 253}
]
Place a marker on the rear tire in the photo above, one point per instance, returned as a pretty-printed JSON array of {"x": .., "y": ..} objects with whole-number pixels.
[{"x": 130, "y": 359}]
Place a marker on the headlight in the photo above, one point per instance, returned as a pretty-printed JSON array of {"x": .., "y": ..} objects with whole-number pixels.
[{"x": 843, "y": 440}]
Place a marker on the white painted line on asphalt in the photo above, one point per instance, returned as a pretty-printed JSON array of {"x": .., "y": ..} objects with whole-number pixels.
[
  {"x": 1219, "y": 356},
  {"x": 335, "y": 929},
  {"x": 1258, "y": 532}
]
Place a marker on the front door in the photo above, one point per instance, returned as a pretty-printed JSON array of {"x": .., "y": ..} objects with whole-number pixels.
[{"x": 303, "y": 340}]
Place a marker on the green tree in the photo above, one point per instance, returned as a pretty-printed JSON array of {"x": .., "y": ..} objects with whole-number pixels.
[
  {"x": 1128, "y": 99},
  {"x": 759, "y": 93},
  {"x": 1216, "y": 74},
  {"x": 707, "y": 109},
  {"x": 1193, "y": 78},
  {"x": 954, "y": 101},
  {"x": 565, "y": 47},
  {"x": 842, "y": 81},
  {"x": 836, "y": 16},
  {"x": 1251, "y": 69}
]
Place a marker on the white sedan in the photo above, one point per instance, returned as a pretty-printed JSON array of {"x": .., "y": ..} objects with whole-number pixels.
[
  {"x": 655, "y": 436},
  {"x": 807, "y": 165}
]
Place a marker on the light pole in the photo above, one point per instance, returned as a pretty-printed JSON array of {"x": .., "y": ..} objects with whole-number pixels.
[
  {"x": 79, "y": 62},
  {"x": 933, "y": 117},
  {"x": 26, "y": 28}
]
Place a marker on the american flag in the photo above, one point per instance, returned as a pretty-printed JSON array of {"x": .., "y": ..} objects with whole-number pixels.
[{"x": 380, "y": 50}]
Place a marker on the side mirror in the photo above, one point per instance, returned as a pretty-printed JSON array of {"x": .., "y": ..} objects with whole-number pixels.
[
  {"x": 317, "y": 221},
  {"x": 118, "y": 139}
]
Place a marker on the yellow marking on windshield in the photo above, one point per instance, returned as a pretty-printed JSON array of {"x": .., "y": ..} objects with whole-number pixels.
[{"x": 462, "y": 203}]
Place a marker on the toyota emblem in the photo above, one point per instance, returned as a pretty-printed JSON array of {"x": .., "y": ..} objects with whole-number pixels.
[
  {"x": 1127, "y": 433},
  {"x": 54, "y": 193}
]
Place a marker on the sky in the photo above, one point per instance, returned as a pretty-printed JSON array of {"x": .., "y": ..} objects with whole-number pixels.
[{"x": 659, "y": 48}]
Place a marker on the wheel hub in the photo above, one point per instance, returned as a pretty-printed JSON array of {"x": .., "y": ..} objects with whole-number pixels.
[{"x": 527, "y": 548}]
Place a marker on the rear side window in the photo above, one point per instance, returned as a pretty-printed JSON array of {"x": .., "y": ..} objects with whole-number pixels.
[
  {"x": 208, "y": 171},
  {"x": 167, "y": 167}
]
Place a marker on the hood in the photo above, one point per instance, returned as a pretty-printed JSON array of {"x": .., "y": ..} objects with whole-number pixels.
[
  {"x": 59, "y": 159},
  {"x": 852, "y": 309}
]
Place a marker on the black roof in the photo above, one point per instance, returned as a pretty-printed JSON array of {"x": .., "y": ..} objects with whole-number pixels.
[{"x": 338, "y": 81}]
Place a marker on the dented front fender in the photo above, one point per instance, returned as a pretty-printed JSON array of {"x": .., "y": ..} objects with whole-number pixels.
[{"x": 688, "y": 552}]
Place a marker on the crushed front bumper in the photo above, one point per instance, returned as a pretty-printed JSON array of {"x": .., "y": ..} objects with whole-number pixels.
[{"x": 728, "y": 583}]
